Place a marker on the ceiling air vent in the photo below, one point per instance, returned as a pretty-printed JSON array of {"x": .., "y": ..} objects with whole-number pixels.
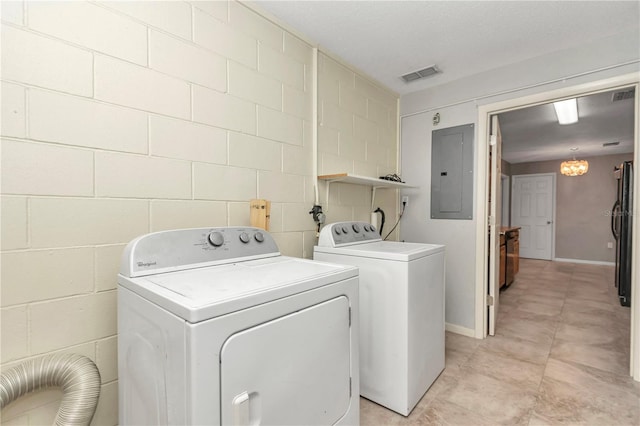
[
  {"x": 423, "y": 73},
  {"x": 606, "y": 144},
  {"x": 621, "y": 96}
]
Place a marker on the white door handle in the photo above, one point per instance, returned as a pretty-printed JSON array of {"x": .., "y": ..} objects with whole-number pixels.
[{"x": 241, "y": 409}]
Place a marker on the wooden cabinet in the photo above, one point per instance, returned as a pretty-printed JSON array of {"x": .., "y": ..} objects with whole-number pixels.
[
  {"x": 503, "y": 262},
  {"x": 509, "y": 255},
  {"x": 516, "y": 254},
  {"x": 510, "y": 265},
  {"x": 513, "y": 253}
]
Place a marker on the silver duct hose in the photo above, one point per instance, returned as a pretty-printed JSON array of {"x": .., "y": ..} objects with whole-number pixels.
[{"x": 77, "y": 375}]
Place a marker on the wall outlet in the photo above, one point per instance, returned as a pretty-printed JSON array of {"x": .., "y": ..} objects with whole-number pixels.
[
  {"x": 405, "y": 199},
  {"x": 609, "y": 245}
]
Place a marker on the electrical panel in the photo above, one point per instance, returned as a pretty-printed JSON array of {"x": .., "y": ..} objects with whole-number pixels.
[{"x": 452, "y": 172}]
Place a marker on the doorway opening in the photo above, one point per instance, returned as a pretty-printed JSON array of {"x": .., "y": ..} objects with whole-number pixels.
[{"x": 483, "y": 320}]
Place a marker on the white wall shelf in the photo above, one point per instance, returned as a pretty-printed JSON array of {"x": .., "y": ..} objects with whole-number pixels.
[{"x": 375, "y": 183}]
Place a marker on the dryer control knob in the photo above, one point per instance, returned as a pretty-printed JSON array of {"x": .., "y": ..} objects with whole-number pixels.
[
  {"x": 373, "y": 228},
  {"x": 356, "y": 228},
  {"x": 366, "y": 228},
  {"x": 244, "y": 237},
  {"x": 345, "y": 229},
  {"x": 216, "y": 239},
  {"x": 259, "y": 237},
  {"x": 337, "y": 230}
]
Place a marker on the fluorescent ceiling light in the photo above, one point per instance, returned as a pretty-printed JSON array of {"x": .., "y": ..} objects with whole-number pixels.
[{"x": 567, "y": 111}]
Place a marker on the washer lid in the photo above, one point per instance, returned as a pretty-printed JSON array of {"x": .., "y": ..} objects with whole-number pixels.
[
  {"x": 387, "y": 250},
  {"x": 199, "y": 294}
]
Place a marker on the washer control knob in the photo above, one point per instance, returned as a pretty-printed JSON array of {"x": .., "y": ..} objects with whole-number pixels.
[
  {"x": 356, "y": 228},
  {"x": 259, "y": 237},
  {"x": 244, "y": 237},
  {"x": 366, "y": 228},
  {"x": 373, "y": 228},
  {"x": 345, "y": 229},
  {"x": 216, "y": 239},
  {"x": 337, "y": 230}
]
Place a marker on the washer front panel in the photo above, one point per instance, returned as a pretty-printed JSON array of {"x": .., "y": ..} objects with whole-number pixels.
[{"x": 401, "y": 315}]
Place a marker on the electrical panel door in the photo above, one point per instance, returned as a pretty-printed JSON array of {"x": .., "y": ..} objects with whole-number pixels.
[{"x": 452, "y": 172}]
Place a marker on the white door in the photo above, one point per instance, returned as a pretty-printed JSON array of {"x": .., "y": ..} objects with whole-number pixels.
[
  {"x": 495, "y": 208},
  {"x": 294, "y": 370},
  {"x": 532, "y": 210}
]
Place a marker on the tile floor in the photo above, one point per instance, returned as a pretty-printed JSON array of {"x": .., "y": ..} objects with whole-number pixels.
[{"x": 560, "y": 356}]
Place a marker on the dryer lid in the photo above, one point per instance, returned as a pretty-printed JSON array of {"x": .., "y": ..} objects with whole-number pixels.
[{"x": 202, "y": 293}]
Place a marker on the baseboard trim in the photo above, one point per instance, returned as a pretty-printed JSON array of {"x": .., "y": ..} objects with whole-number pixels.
[
  {"x": 460, "y": 330},
  {"x": 588, "y": 262}
]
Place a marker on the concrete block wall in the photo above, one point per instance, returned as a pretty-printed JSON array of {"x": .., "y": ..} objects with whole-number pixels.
[
  {"x": 357, "y": 134},
  {"x": 123, "y": 118}
]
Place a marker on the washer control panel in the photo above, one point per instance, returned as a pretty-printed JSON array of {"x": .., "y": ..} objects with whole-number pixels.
[
  {"x": 188, "y": 248},
  {"x": 340, "y": 233}
]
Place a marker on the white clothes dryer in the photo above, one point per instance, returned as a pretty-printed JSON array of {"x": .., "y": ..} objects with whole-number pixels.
[
  {"x": 215, "y": 327},
  {"x": 401, "y": 311}
]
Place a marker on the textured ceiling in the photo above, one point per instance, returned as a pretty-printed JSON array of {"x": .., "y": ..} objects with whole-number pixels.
[
  {"x": 387, "y": 39},
  {"x": 533, "y": 134}
]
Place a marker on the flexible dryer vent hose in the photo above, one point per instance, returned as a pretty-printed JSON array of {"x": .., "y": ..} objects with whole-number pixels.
[{"x": 77, "y": 375}]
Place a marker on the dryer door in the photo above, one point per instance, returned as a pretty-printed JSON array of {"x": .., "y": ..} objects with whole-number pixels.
[{"x": 293, "y": 370}]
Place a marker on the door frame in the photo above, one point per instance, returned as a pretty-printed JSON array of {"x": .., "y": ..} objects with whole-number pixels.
[
  {"x": 482, "y": 157},
  {"x": 494, "y": 223},
  {"x": 553, "y": 206}
]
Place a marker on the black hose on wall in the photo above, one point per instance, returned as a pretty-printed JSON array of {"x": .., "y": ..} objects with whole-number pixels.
[{"x": 77, "y": 375}]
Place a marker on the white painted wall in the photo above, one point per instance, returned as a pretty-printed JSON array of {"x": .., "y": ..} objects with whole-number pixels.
[
  {"x": 583, "y": 206},
  {"x": 417, "y": 225},
  {"x": 457, "y": 104}
]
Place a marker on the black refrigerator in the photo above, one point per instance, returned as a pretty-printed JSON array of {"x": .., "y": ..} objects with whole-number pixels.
[{"x": 621, "y": 221}]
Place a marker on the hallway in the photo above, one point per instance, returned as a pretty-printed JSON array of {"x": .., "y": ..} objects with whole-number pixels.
[{"x": 560, "y": 356}]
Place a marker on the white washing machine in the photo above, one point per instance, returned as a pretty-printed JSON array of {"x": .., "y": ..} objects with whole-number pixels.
[
  {"x": 216, "y": 327},
  {"x": 401, "y": 311}
]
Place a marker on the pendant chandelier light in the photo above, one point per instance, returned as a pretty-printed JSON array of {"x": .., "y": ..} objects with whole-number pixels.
[{"x": 574, "y": 167}]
